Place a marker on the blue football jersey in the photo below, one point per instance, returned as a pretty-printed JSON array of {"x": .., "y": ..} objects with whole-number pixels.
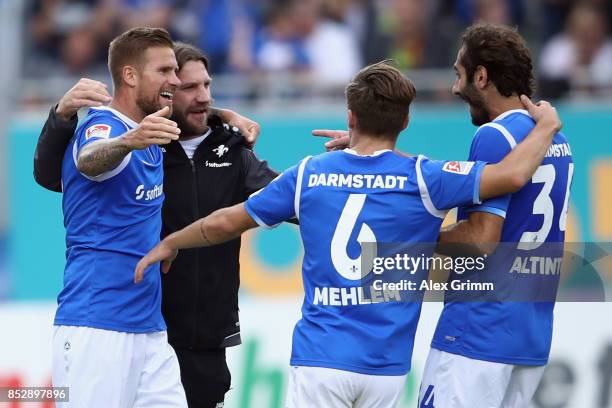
[
  {"x": 513, "y": 332},
  {"x": 342, "y": 199},
  {"x": 111, "y": 221}
]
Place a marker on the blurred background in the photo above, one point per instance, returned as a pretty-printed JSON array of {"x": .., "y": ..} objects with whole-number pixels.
[{"x": 285, "y": 63}]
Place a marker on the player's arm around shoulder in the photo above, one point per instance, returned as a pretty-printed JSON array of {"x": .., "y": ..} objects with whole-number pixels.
[
  {"x": 257, "y": 173},
  {"x": 517, "y": 168},
  {"x": 478, "y": 235},
  {"x": 60, "y": 127},
  {"x": 105, "y": 154}
]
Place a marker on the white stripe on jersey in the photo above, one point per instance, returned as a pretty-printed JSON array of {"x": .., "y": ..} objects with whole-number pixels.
[
  {"x": 298, "y": 186},
  {"x": 429, "y": 205},
  {"x": 124, "y": 162},
  {"x": 504, "y": 132}
]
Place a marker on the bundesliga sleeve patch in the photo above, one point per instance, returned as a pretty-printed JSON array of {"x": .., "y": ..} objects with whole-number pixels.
[
  {"x": 458, "y": 167},
  {"x": 100, "y": 130}
]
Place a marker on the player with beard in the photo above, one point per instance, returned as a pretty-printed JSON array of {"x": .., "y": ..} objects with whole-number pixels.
[
  {"x": 110, "y": 345},
  {"x": 493, "y": 354},
  {"x": 207, "y": 168}
]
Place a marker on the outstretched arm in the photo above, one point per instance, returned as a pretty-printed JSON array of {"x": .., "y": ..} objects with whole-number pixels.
[
  {"x": 104, "y": 155},
  {"x": 220, "y": 226}
]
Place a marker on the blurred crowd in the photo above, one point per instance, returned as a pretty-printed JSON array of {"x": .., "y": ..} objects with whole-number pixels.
[{"x": 325, "y": 41}]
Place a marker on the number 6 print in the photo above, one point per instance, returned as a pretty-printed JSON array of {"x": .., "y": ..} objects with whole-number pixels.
[{"x": 346, "y": 266}]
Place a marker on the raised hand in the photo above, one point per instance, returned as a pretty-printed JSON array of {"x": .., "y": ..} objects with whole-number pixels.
[
  {"x": 340, "y": 138},
  {"x": 85, "y": 93},
  {"x": 153, "y": 129}
]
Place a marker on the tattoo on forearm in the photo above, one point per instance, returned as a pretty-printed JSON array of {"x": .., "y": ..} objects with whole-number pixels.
[{"x": 102, "y": 157}]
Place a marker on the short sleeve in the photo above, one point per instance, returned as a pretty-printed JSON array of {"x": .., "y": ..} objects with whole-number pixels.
[
  {"x": 491, "y": 144},
  {"x": 447, "y": 184},
  {"x": 100, "y": 128},
  {"x": 275, "y": 203}
]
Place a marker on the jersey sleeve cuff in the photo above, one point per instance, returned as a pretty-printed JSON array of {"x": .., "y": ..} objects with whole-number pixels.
[
  {"x": 256, "y": 218},
  {"x": 476, "y": 195},
  {"x": 487, "y": 209}
]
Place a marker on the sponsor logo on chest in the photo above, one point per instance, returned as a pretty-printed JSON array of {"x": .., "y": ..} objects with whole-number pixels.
[{"x": 143, "y": 194}]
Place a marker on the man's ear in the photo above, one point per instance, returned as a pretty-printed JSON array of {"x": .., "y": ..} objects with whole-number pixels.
[
  {"x": 481, "y": 77},
  {"x": 130, "y": 75},
  {"x": 351, "y": 119}
]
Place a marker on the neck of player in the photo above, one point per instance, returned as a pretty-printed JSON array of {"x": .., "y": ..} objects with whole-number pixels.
[
  {"x": 365, "y": 144},
  {"x": 126, "y": 104},
  {"x": 499, "y": 104}
]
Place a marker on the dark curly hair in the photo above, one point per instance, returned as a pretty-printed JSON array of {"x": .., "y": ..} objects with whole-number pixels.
[{"x": 503, "y": 53}]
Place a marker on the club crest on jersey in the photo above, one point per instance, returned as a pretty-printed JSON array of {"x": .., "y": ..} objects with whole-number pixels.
[
  {"x": 459, "y": 167},
  {"x": 221, "y": 150},
  {"x": 99, "y": 130}
]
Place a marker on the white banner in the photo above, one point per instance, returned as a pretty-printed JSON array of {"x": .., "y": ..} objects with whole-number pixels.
[{"x": 579, "y": 374}]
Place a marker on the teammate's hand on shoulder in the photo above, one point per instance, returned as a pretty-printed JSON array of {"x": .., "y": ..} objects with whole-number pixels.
[
  {"x": 340, "y": 138},
  {"x": 249, "y": 128},
  {"x": 162, "y": 252},
  {"x": 85, "y": 93},
  {"x": 153, "y": 129},
  {"x": 543, "y": 112}
]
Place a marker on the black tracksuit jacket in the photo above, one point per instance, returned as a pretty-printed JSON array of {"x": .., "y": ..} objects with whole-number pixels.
[{"x": 200, "y": 293}]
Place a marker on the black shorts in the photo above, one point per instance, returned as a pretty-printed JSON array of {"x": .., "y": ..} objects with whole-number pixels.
[{"x": 205, "y": 376}]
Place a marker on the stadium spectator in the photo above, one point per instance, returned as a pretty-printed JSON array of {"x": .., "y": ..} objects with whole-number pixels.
[
  {"x": 141, "y": 13},
  {"x": 281, "y": 44},
  {"x": 350, "y": 350},
  {"x": 579, "y": 59},
  {"x": 363, "y": 19},
  {"x": 554, "y": 15},
  {"x": 407, "y": 21},
  {"x": 332, "y": 48},
  {"x": 194, "y": 187},
  {"x": 492, "y": 11},
  {"x": 299, "y": 38},
  {"x": 223, "y": 29},
  {"x": 65, "y": 37}
]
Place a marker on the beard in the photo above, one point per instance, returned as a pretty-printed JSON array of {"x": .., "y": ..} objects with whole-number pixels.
[
  {"x": 150, "y": 103},
  {"x": 478, "y": 110},
  {"x": 189, "y": 128}
]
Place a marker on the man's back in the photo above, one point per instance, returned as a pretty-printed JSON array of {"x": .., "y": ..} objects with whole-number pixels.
[
  {"x": 111, "y": 220},
  {"x": 342, "y": 199}
]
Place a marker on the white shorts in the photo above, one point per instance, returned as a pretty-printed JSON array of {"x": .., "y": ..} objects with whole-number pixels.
[
  {"x": 454, "y": 381},
  {"x": 105, "y": 368},
  {"x": 311, "y": 387}
]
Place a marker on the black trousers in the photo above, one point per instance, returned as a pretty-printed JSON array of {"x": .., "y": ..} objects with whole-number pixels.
[{"x": 205, "y": 376}]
